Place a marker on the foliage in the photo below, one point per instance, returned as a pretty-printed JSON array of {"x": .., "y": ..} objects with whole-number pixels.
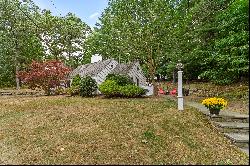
[
  {"x": 229, "y": 62},
  {"x": 88, "y": 86},
  {"x": 120, "y": 79},
  {"x": 44, "y": 75},
  {"x": 210, "y": 37},
  {"x": 215, "y": 103},
  {"x": 76, "y": 81},
  {"x": 109, "y": 88},
  {"x": 27, "y": 33},
  {"x": 19, "y": 39},
  {"x": 59, "y": 91},
  {"x": 131, "y": 91},
  {"x": 64, "y": 37},
  {"x": 73, "y": 90},
  {"x": 132, "y": 30}
]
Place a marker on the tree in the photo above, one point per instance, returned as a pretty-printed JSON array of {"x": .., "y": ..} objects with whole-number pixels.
[
  {"x": 18, "y": 37},
  {"x": 211, "y": 39},
  {"x": 64, "y": 37},
  {"x": 135, "y": 30},
  {"x": 229, "y": 61},
  {"x": 27, "y": 33},
  {"x": 45, "y": 75}
]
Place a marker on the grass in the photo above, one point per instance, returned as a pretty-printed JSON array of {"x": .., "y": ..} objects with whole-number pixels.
[{"x": 73, "y": 130}]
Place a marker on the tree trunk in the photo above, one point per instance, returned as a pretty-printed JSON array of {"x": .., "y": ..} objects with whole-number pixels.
[
  {"x": 151, "y": 66},
  {"x": 174, "y": 77},
  {"x": 152, "y": 74},
  {"x": 17, "y": 79},
  {"x": 15, "y": 60},
  {"x": 17, "y": 65}
]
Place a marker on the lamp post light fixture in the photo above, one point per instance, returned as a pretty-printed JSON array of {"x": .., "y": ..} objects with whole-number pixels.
[{"x": 180, "y": 67}]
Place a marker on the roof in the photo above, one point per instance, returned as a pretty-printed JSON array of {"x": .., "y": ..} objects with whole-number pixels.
[
  {"x": 122, "y": 68},
  {"x": 91, "y": 69}
]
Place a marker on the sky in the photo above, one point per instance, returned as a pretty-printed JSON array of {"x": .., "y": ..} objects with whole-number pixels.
[{"x": 87, "y": 10}]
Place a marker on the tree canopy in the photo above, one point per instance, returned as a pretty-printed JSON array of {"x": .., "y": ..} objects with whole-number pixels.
[
  {"x": 27, "y": 33},
  {"x": 211, "y": 38}
]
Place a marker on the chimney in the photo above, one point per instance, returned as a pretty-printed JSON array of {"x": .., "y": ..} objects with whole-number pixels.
[{"x": 96, "y": 58}]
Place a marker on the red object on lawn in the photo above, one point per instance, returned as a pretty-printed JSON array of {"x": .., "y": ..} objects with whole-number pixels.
[
  {"x": 161, "y": 91},
  {"x": 173, "y": 92}
]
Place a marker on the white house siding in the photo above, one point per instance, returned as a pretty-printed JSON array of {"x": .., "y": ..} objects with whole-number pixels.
[
  {"x": 137, "y": 74},
  {"x": 103, "y": 74},
  {"x": 98, "y": 80}
]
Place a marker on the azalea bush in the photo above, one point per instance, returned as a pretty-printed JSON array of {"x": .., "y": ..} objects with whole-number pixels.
[{"x": 215, "y": 103}]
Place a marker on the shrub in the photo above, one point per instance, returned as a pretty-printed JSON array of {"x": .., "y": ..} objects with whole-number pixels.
[
  {"x": 121, "y": 80},
  {"x": 44, "y": 75},
  {"x": 131, "y": 91},
  {"x": 59, "y": 91},
  {"x": 73, "y": 90},
  {"x": 76, "y": 80},
  {"x": 109, "y": 88},
  {"x": 88, "y": 86}
]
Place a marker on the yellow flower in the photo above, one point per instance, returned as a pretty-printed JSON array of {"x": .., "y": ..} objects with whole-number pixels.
[{"x": 214, "y": 102}]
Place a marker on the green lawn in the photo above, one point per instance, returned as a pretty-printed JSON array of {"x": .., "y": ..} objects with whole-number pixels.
[{"x": 74, "y": 130}]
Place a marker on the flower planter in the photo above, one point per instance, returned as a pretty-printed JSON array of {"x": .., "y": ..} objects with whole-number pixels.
[
  {"x": 214, "y": 111},
  {"x": 214, "y": 105}
]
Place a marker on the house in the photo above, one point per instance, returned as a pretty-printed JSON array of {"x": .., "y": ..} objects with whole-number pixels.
[{"x": 99, "y": 69}]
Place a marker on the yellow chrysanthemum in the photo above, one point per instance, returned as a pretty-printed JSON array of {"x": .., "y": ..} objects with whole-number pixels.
[{"x": 214, "y": 102}]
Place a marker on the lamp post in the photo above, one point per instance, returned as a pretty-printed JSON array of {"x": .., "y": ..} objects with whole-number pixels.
[{"x": 180, "y": 66}]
